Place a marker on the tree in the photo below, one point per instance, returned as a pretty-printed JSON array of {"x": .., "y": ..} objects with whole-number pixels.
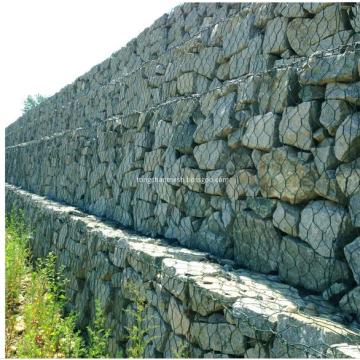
[{"x": 32, "y": 101}]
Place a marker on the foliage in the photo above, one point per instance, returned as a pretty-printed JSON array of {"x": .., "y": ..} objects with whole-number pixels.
[
  {"x": 32, "y": 101},
  {"x": 97, "y": 335},
  {"x": 36, "y": 326},
  {"x": 138, "y": 330}
]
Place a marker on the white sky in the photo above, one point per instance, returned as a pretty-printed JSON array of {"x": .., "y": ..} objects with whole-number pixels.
[{"x": 48, "y": 44}]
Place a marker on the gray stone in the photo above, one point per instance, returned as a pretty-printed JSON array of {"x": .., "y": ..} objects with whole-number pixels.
[
  {"x": 279, "y": 91},
  {"x": 334, "y": 68},
  {"x": 352, "y": 254},
  {"x": 324, "y": 157},
  {"x": 303, "y": 33},
  {"x": 216, "y": 182},
  {"x": 297, "y": 124},
  {"x": 283, "y": 176},
  {"x": 178, "y": 319},
  {"x": 243, "y": 183},
  {"x": 298, "y": 336},
  {"x": 262, "y": 132},
  {"x": 152, "y": 159},
  {"x": 348, "y": 177},
  {"x": 196, "y": 204},
  {"x": 335, "y": 292},
  {"x": 354, "y": 207},
  {"x": 343, "y": 351},
  {"x": 248, "y": 90},
  {"x": 186, "y": 83},
  {"x": 327, "y": 187},
  {"x": 333, "y": 113},
  {"x": 193, "y": 179},
  {"x": 182, "y": 140},
  {"x": 221, "y": 337},
  {"x": 256, "y": 242},
  {"x": 223, "y": 116},
  {"x": 325, "y": 226},
  {"x": 275, "y": 40},
  {"x": 163, "y": 134},
  {"x": 286, "y": 218},
  {"x": 300, "y": 265},
  {"x": 211, "y": 155},
  {"x": 348, "y": 92},
  {"x": 290, "y": 10},
  {"x": 350, "y": 303},
  {"x": 347, "y": 139},
  {"x": 261, "y": 206},
  {"x": 312, "y": 92}
]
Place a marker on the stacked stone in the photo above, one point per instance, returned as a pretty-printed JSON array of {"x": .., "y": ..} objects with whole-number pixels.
[
  {"x": 193, "y": 307},
  {"x": 264, "y": 95}
]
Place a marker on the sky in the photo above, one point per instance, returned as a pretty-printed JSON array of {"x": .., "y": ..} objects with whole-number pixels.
[{"x": 46, "y": 45}]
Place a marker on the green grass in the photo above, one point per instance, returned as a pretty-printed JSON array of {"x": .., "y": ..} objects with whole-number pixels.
[{"x": 36, "y": 326}]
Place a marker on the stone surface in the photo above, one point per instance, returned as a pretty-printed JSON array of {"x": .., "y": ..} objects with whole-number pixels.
[
  {"x": 335, "y": 68},
  {"x": 354, "y": 207},
  {"x": 212, "y": 155},
  {"x": 297, "y": 125},
  {"x": 262, "y": 132},
  {"x": 286, "y": 218},
  {"x": 283, "y": 176},
  {"x": 352, "y": 254},
  {"x": 300, "y": 265},
  {"x": 347, "y": 92},
  {"x": 347, "y": 138},
  {"x": 256, "y": 242},
  {"x": 350, "y": 303},
  {"x": 348, "y": 177},
  {"x": 326, "y": 227}
]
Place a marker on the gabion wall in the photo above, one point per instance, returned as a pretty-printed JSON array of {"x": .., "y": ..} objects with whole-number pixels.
[{"x": 233, "y": 129}]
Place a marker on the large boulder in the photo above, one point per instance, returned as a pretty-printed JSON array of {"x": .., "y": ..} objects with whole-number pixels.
[
  {"x": 348, "y": 92},
  {"x": 352, "y": 254},
  {"x": 348, "y": 177},
  {"x": 304, "y": 34},
  {"x": 284, "y": 176},
  {"x": 297, "y": 124},
  {"x": 300, "y": 265},
  {"x": 350, "y": 303},
  {"x": 262, "y": 132},
  {"x": 326, "y": 227},
  {"x": 212, "y": 155},
  {"x": 256, "y": 242},
  {"x": 347, "y": 139},
  {"x": 333, "y": 68},
  {"x": 333, "y": 113}
]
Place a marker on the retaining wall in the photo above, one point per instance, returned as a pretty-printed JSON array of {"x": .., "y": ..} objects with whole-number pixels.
[{"x": 233, "y": 129}]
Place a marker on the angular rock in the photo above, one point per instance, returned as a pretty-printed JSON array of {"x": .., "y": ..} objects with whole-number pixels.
[
  {"x": 283, "y": 176},
  {"x": 248, "y": 91},
  {"x": 194, "y": 179},
  {"x": 326, "y": 227},
  {"x": 347, "y": 139},
  {"x": 256, "y": 242},
  {"x": 327, "y": 187},
  {"x": 216, "y": 182},
  {"x": 333, "y": 113},
  {"x": 182, "y": 140},
  {"x": 186, "y": 83},
  {"x": 152, "y": 159},
  {"x": 218, "y": 336},
  {"x": 163, "y": 134},
  {"x": 350, "y": 303},
  {"x": 262, "y": 132},
  {"x": 243, "y": 183},
  {"x": 333, "y": 68},
  {"x": 290, "y": 10},
  {"x": 297, "y": 124},
  {"x": 261, "y": 206},
  {"x": 347, "y": 92},
  {"x": 279, "y": 91},
  {"x": 324, "y": 156},
  {"x": 211, "y": 155},
  {"x": 178, "y": 319},
  {"x": 298, "y": 336},
  {"x": 348, "y": 177},
  {"x": 354, "y": 207},
  {"x": 300, "y": 265},
  {"x": 275, "y": 40},
  {"x": 304, "y": 33},
  {"x": 286, "y": 218},
  {"x": 352, "y": 254},
  {"x": 343, "y": 351},
  {"x": 196, "y": 204}
]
